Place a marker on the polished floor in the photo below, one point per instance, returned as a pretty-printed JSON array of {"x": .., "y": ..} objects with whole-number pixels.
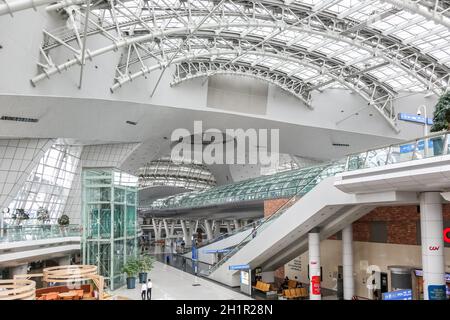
[{"x": 170, "y": 283}]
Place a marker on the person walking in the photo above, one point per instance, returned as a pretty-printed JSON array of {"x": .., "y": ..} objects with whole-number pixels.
[
  {"x": 144, "y": 291},
  {"x": 149, "y": 289}
]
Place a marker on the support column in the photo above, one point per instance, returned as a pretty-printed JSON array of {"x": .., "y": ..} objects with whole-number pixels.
[
  {"x": 166, "y": 228},
  {"x": 314, "y": 265},
  {"x": 347, "y": 262},
  {"x": 157, "y": 229},
  {"x": 208, "y": 229},
  {"x": 237, "y": 225},
  {"x": 20, "y": 269},
  {"x": 216, "y": 228},
  {"x": 64, "y": 261},
  {"x": 185, "y": 232},
  {"x": 431, "y": 224},
  {"x": 228, "y": 224}
]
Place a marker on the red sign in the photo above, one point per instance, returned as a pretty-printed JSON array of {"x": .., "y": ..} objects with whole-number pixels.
[
  {"x": 447, "y": 235},
  {"x": 433, "y": 248},
  {"x": 315, "y": 284}
]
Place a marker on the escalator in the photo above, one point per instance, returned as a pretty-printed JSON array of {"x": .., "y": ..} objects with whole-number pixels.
[{"x": 323, "y": 204}]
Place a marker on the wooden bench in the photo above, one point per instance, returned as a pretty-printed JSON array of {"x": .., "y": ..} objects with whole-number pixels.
[
  {"x": 262, "y": 286},
  {"x": 295, "y": 293}
]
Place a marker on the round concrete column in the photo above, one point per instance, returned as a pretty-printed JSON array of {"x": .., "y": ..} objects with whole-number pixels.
[
  {"x": 431, "y": 224},
  {"x": 314, "y": 265},
  {"x": 64, "y": 261},
  {"x": 208, "y": 228},
  {"x": 347, "y": 262},
  {"x": 18, "y": 270}
]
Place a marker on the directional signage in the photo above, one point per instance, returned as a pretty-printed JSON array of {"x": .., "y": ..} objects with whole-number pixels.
[
  {"x": 216, "y": 250},
  {"x": 437, "y": 292},
  {"x": 239, "y": 267},
  {"x": 398, "y": 295},
  {"x": 414, "y": 118}
]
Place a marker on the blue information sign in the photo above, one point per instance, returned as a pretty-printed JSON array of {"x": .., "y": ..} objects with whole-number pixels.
[
  {"x": 414, "y": 118},
  {"x": 437, "y": 292},
  {"x": 239, "y": 267},
  {"x": 216, "y": 250},
  {"x": 398, "y": 295}
]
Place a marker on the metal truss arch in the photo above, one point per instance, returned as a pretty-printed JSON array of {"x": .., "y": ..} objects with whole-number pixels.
[
  {"x": 199, "y": 69},
  {"x": 430, "y": 73},
  {"x": 369, "y": 92}
]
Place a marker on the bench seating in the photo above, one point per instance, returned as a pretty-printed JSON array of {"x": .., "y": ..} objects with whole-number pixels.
[
  {"x": 295, "y": 293},
  {"x": 262, "y": 286}
]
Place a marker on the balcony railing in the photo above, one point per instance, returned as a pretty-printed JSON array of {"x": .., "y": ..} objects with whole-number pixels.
[{"x": 38, "y": 232}]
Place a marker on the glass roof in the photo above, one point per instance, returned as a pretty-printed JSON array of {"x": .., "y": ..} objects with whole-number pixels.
[
  {"x": 281, "y": 185},
  {"x": 374, "y": 48}
]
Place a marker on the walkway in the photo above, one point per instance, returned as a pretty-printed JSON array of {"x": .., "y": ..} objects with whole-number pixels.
[{"x": 172, "y": 284}]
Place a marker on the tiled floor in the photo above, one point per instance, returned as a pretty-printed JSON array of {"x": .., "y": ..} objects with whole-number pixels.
[{"x": 172, "y": 284}]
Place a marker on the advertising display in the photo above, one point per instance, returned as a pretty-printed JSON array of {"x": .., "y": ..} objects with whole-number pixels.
[
  {"x": 245, "y": 278},
  {"x": 315, "y": 281}
]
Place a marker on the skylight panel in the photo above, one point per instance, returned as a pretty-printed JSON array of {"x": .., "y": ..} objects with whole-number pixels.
[
  {"x": 397, "y": 78},
  {"x": 369, "y": 10}
]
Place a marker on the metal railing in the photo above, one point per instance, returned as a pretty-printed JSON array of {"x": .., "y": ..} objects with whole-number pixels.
[
  {"x": 232, "y": 232},
  {"x": 38, "y": 232},
  {"x": 436, "y": 144}
]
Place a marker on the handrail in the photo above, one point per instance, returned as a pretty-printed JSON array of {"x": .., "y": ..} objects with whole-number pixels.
[
  {"x": 431, "y": 135},
  {"x": 231, "y": 233},
  {"x": 38, "y": 232},
  {"x": 363, "y": 157}
]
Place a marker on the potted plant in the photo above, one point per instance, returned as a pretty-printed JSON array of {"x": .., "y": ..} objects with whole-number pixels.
[
  {"x": 145, "y": 265},
  {"x": 441, "y": 121},
  {"x": 64, "y": 220},
  {"x": 20, "y": 215},
  {"x": 43, "y": 215},
  {"x": 131, "y": 268}
]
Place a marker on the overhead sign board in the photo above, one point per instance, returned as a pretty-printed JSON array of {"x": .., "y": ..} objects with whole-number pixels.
[
  {"x": 414, "y": 118},
  {"x": 398, "y": 295},
  {"x": 216, "y": 250},
  {"x": 239, "y": 267}
]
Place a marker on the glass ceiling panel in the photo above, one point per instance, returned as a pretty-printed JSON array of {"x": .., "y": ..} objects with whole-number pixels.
[
  {"x": 401, "y": 26},
  {"x": 287, "y": 183}
]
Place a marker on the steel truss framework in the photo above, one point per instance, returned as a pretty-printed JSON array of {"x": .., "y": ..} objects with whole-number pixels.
[
  {"x": 165, "y": 172},
  {"x": 374, "y": 48}
]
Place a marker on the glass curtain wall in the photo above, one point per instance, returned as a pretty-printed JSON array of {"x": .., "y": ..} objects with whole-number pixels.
[
  {"x": 109, "y": 221},
  {"x": 47, "y": 187}
]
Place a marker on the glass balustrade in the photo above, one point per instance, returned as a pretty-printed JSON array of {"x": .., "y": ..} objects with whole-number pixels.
[{"x": 38, "y": 232}]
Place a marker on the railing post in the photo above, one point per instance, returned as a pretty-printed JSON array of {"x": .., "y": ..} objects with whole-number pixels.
[
  {"x": 388, "y": 155},
  {"x": 445, "y": 149}
]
